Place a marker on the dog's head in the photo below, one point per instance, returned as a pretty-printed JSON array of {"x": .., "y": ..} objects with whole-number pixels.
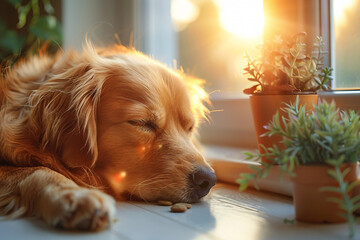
[
  {"x": 146, "y": 121},
  {"x": 136, "y": 121}
]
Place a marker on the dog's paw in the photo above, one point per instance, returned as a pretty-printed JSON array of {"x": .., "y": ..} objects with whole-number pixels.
[{"x": 79, "y": 209}]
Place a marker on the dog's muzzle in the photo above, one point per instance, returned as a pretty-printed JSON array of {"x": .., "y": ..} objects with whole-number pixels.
[{"x": 202, "y": 181}]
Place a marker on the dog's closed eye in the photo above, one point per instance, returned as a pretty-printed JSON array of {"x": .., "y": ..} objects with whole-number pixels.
[
  {"x": 191, "y": 128},
  {"x": 147, "y": 125}
]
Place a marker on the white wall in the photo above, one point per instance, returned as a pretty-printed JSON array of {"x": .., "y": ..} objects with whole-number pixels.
[
  {"x": 148, "y": 20},
  {"x": 99, "y": 20},
  {"x": 154, "y": 32}
]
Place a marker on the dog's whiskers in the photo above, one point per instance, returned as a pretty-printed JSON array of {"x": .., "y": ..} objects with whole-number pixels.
[{"x": 160, "y": 187}]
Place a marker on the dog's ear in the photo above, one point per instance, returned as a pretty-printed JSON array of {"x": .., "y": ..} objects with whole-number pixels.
[
  {"x": 198, "y": 96},
  {"x": 199, "y": 101},
  {"x": 64, "y": 114}
]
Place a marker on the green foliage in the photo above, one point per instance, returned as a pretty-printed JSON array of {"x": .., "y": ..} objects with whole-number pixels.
[
  {"x": 284, "y": 66},
  {"x": 349, "y": 205},
  {"x": 324, "y": 136},
  {"x": 289, "y": 221},
  {"x": 38, "y": 30},
  {"x": 260, "y": 172}
]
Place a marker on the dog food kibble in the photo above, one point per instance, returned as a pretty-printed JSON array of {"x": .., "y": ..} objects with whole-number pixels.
[
  {"x": 164, "y": 203},
  {"x": 180, "y": 207},
  {"x": 188, "y": 205}
]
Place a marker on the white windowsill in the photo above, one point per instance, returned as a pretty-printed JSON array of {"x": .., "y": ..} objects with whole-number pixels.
[
  {"x": 225, "y": 214},
  {"x": 229, "y": 162}
]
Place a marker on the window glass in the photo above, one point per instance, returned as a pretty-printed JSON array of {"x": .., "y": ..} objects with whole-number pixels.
[
  {"x": 347, "y": 48},
  {"x": 213, "y": 36}
]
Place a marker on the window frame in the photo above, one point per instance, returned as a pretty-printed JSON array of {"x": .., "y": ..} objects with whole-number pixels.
[
  {"x": 318, "y": 22},
  {"x": 152, "y": 16}
]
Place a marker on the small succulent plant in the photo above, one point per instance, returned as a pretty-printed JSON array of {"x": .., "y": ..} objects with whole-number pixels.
[
  {"x": 285, "y": 67},
  {"x": 325, "y": 136}
]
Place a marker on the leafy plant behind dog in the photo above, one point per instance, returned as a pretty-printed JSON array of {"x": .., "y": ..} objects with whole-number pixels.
[{"x": 41, "y": 30}]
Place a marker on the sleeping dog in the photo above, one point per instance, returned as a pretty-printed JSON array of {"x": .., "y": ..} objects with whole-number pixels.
[{"x": 79, "y": 130}]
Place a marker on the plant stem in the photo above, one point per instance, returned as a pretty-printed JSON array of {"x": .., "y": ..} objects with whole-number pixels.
[{"x": 347, "y": 203}]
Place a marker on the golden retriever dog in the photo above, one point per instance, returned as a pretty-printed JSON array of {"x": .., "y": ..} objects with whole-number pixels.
[{"x": 80, "y": 130}]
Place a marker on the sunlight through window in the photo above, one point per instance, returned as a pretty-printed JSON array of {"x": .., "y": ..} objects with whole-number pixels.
[
  {"x": 341, "y": 9},
  {"x": 183, "y": 12},
  {"x": 214, "y": 36},
  {"x": 242, "y": 18},
  {"x": 347, "y": 49}
]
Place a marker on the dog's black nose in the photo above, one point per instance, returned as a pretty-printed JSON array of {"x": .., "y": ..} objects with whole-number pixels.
[{"x": 203, "y": 179}]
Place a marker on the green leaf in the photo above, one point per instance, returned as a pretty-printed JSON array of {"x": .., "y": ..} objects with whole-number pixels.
[
  {"x": 256, "y": 186},
  {"x": 345, "y": 172},
  {"x": 266, "y": 172},
  {"x": 246, "y": 176},
  {"x": 12, "y": 42},
  {"x": 48, "y": 7},
  {"x": 343, "y": 215},
  {"x": 289, "y": 221},
  {"x": 330, "y": 189},
  {"x": 255, "y": 168},
  {"x": 249, "y": 155},
  {"x": 14, "y": 2},
  {"x": 355, "y": 199},
  {"x": 336, "y": 200},
  {"x": 46, "y": 28},
  {"x": 334, "y": 175},
  {"x": 356, "y": 206},
  {"x": 243, "y": 185},
  {"x": 22, "y": 15}
]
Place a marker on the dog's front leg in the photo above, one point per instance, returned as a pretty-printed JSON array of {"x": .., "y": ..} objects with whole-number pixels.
[{"x": 41, "y": 192}]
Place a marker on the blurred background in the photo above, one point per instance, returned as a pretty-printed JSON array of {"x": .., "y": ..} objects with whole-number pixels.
[{"x": 208, "y": 38}]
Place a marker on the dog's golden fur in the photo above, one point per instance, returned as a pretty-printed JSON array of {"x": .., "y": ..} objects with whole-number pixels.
[{"x": 108, "y": 119}]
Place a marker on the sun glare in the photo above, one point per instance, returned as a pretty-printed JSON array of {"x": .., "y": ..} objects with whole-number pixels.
[
  {"x": 340, "y": 10},
  {"x": 183, "y": 12},
  {"x": 243, "y": 18},
  {"x": 120, "y": 176}
]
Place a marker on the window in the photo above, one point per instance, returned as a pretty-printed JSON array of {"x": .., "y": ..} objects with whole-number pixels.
[
  {"x": 213, "y": 48},
  {"x": 213, "y": 35},
  {"x": 347, "y": 49},
  {"x": 213, "y": 39}
]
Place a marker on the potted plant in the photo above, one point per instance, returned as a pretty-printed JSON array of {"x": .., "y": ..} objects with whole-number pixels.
[
  {"x": 321, "y": 152},
  {"x": 282, "y": 72}
]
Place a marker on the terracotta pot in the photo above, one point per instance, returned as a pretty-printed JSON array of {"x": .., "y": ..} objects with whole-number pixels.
[
  {"x": 263, "y": 108},
  {"x": 355, "y": 193},
  {"x": 311, "y": 204}
]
